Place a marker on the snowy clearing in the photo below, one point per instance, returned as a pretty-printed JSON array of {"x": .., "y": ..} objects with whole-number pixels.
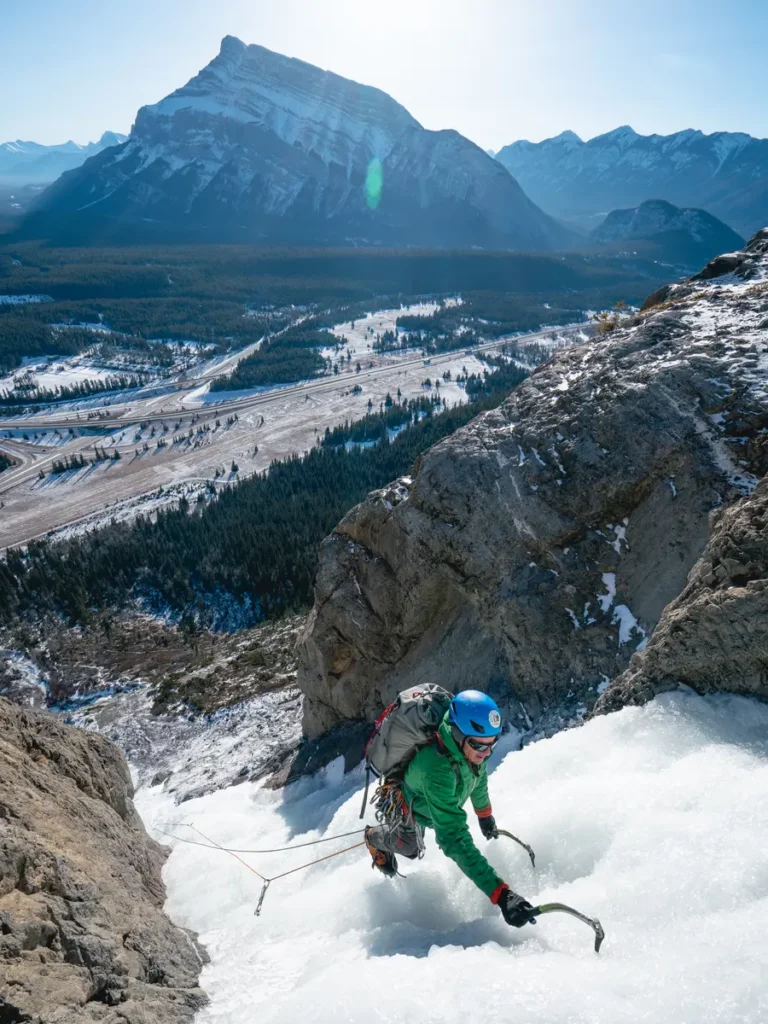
[
  {"x": 359, "y": 339},
  {"x": 653, "y": 819},
  {"x": 23, "y": 300},
  {"x": 63, "y": 373}
]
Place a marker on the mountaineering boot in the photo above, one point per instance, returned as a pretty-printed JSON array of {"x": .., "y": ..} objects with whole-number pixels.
[{"x": 385, "y": 862}]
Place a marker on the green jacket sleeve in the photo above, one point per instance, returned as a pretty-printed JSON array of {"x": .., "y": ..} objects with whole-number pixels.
[
  {"x": 451, "y": 829},
  {"x": 480, "y": 799}
]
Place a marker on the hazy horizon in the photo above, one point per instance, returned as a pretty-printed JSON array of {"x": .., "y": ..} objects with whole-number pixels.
[{"x": 497, "y": 72}]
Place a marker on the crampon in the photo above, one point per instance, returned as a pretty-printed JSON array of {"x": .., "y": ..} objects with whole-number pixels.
[{"x": 385, "y": 862}]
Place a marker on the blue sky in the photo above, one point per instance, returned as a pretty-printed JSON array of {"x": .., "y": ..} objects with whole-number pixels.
[{"x": 496, "y": 70}]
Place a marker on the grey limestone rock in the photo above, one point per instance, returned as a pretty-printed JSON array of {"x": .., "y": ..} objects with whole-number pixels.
[
  {"x": 83, "y": 936},
  {"x": 714, "y": 636},
  {"x": 534, "y": 550}
]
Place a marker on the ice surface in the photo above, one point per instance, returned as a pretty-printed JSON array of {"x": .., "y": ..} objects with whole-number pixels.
[{"x": 653, "y": 819}]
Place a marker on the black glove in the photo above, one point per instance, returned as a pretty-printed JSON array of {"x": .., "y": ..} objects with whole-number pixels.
[
  {"x": 488, "y": 827},
  {"x": 515, "y": 910}
]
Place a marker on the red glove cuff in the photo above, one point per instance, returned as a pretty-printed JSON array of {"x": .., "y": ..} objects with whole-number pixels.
[
  {"x": 496, "y": 894},
  {"x": 484, "y": 812}
]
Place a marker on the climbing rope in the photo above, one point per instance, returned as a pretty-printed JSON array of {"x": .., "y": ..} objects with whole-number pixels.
[
  {"x": 211, "y": 844},
  {"x": 227, "y": 849}
]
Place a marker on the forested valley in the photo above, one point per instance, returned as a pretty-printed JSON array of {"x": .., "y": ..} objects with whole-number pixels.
[
  {"x": 252, "y": 548},
  {"x": 226, "y": 297}
]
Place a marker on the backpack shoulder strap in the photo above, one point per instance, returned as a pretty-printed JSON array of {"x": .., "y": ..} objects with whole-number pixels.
[{"x": 443, "y": 752}]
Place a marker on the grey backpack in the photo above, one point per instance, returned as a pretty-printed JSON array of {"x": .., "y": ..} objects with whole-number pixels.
[{"x": 409, "y": 723}]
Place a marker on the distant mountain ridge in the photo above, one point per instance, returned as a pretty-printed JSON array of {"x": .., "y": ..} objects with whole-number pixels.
[
  {"x": 680, "y": 236},
  {"x": 725, "y": 173},
  {"x": 260, "y": 147},
  {"x": 28, "y": 162}
]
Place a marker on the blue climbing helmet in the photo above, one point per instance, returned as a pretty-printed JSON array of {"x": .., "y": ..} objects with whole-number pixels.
[{"x": 473, "y": 713}]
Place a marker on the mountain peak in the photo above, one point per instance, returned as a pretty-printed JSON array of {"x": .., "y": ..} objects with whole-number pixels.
[
  {"x": 110, "y": 139},
  {"x": 567, "y": 136},
  {"x": 624, "y": 133},
  {"x": 723, "y": 173},
  {"x": 260, "y": 146},
  {"x": 231, "y": 44}
]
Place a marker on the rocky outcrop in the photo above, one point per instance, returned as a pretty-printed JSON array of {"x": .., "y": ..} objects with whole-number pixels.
[
  {"x": 714, "y": 636},
  {"x": 259, "y": 146},
  {"x": 532, "y": 552},
  {"x": 82, "y": 932}
]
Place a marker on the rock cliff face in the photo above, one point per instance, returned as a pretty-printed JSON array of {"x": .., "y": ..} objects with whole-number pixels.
[
  {"x": 714, "y": 636},
  {"x": 82, "y": 932},
  {"x": 263, "y": 147},
  {"x": 533, "y": 552}
]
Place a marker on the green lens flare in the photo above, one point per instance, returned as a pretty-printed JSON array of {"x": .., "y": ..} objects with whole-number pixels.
[{"x": 374, "y": 183}]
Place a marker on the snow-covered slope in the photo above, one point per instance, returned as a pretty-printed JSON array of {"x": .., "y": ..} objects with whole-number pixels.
[
  {"x": 22, "y": 162},
  {"x": 687, "y": 236},
  {"x": 652, "y": 819},
  {"x": 259, "y": 146},
  {"x": 725, "y": 172}
]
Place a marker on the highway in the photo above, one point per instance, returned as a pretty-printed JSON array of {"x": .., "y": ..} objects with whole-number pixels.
[
  {"x": 123, "y": 416},
  {"x": 295, "y": 416}
]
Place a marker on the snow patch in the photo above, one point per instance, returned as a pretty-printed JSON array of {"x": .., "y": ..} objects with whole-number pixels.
[
  {"x": 609, "y": 582},
  {"x": 23, "y": 300}
]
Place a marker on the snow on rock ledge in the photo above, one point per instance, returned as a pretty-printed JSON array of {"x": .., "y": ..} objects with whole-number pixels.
[
  {"x": 715, "y": 635},
  {"x": 509, "y": 527}
]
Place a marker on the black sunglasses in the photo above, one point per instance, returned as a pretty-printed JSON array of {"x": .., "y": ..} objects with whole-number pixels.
[{"x": 480, "y": 746}]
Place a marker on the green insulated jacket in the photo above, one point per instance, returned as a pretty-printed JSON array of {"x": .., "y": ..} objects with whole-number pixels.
[{"x": 437, "y": 783}]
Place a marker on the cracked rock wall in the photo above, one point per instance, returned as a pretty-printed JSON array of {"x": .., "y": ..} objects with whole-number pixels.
[
  {"x": 535, "y": 550},
  {"x": 82, "y": 933}
]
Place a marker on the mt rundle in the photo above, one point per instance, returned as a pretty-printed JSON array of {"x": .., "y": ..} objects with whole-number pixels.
[
  {"x": 383, "y": 539},
  {"x": 260, "y": 147}
]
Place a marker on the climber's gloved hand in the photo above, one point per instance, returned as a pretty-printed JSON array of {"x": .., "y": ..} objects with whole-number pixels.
[
  {"x": 488, "y": 827},
  {"x": 515, "y": 910}
]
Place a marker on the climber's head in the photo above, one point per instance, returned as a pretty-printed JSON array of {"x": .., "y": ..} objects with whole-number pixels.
[{"x": 475, "y": 722}]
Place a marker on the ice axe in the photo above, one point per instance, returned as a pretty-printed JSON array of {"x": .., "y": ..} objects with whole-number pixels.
[
  {"x": 594, "y": 924},
  {"x": 525, "y": 846},
  {"x": 548, "y": 908}
]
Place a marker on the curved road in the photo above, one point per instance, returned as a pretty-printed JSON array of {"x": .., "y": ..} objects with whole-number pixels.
[{"x": 36, "y": 458}]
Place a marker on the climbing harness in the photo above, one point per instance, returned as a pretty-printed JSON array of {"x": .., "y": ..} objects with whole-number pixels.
[
  {"x": 211, "y": 844},
  {"x": 393, "y": 812}
]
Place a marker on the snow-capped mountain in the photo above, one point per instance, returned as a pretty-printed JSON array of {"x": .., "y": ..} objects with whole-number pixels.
[
  {"x": 687, "y": 236},
  {"x": 22, "y": 162},
  {"x": 263, "y": 147},
  {"x": 725, "y": 172}
]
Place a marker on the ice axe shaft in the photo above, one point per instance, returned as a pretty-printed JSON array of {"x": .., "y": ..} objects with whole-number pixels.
[
  {"x": 594, "y": 924},
  {"x": 525, "y": 846}
]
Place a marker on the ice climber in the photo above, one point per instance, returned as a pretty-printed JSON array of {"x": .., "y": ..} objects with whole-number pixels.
[{"x": 437, "y": 783}]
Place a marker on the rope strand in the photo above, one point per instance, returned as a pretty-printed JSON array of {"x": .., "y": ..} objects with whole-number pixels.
[
  {"x": 278, "y": 849},
  {"x": 211, "y": 844}
]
